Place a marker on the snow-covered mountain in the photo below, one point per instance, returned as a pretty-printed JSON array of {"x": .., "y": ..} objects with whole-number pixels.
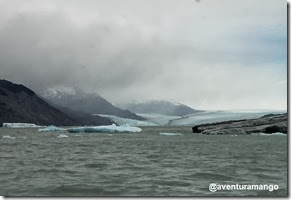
[
  {"x": 78, "y": 100},
  {"x": 160, "y": 107},
  {"x": 59, "y": 92}
]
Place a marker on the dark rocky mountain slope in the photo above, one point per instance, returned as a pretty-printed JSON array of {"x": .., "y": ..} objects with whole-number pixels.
[{"x": 20, "y": 104}]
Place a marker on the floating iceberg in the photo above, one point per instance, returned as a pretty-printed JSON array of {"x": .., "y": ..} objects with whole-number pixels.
[
  {"x": 63, "y": 136},
  {"x": 20, "y": 125},
  {"x": 273, "y": 134},
  {"x": 105, "y": 129},
  {"x": 8, "y": 137},
  {"x": 170, "y": 134},
  {"x": 51, "y": 129},
  {"x": 279, "y": 134}
]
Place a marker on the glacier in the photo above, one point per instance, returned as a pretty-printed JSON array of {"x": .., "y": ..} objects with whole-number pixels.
[
  {"x": 210, "y": 116},
  {"x": 158, "y": 119},
  {"x": 105, "y": 129},
  {"x": 126, "y": 121},
  {"x": 51, "y": 128},
  {"x": 20, "y": 125},
  {"x": 219, "y": 116}
]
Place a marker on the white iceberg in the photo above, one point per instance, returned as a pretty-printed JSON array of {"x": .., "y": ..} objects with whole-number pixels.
[
  {"x": 170, "y": 134},
  {"x": 51, "y": 129},
  {"x": 20, "y": 125},
  {"x": 63, "y": 136},
  {"x": 8, "y": 137},
  {"x": 278, "y": 133},
  {"x": 105, "y": 129}
]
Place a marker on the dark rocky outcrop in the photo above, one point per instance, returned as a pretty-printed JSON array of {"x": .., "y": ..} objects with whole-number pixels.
[
  {"x": 15, "y": 88},
  {"x": 270, "y": 123},
  {"x": 20, "y": 104}
]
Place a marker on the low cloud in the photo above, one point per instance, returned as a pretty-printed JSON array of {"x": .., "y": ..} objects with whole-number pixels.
[{"x": 205, "y": 61}]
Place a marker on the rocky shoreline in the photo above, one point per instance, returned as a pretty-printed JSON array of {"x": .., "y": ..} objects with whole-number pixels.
[{"x": 271, "y": 123}]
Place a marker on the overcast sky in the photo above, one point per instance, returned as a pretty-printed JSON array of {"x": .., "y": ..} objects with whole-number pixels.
[{"x": 208, "y": 54}]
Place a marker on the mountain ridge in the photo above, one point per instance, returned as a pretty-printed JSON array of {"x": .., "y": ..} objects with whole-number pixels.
[
  {"x": 160, "y": 107},
  {"x": 21, "y": 104},
  {"x": 91, "y": 103}
]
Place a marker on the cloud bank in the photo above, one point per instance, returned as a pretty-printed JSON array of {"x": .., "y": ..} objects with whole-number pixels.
[{"x": 209, "y": 55}]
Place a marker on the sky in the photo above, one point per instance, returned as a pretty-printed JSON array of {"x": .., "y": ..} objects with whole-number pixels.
[{"x": 207, "y": 54}]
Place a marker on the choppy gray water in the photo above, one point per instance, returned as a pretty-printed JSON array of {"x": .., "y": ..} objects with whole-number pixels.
[{"x": 145, "y": 164}]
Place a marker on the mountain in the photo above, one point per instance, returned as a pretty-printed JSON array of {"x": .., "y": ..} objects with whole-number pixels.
[
  {"x": 91, "y": 103},
  {"x": 20, "y": 104},
  {"x": 161, "y": 107}
]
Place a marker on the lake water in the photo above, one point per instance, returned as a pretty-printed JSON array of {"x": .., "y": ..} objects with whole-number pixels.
[{"x": 144, "y": 164}]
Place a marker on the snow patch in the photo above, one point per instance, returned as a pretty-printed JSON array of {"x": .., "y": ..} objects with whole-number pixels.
[{"x": 59, "y": 92}]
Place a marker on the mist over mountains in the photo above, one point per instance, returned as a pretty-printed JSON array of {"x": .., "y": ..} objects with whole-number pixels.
[
  {"x": 73, "y": 107},
  {"x": 91, "y": 103},
  {"x": 124, "y": 52},
  {"x": 160, "y": 107}
]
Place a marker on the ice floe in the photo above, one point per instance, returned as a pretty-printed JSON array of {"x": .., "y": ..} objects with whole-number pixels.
[
  {"x": 51, "y": 129},
  {"x": 62, "y": 136},
  {"x": 20, "y": 125},
  {"x": 105, "y": 129},
  {"x": 170, "y": 134},
  {"x": 8, "y": 137},
  {"x": 273, "y": 134}
]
